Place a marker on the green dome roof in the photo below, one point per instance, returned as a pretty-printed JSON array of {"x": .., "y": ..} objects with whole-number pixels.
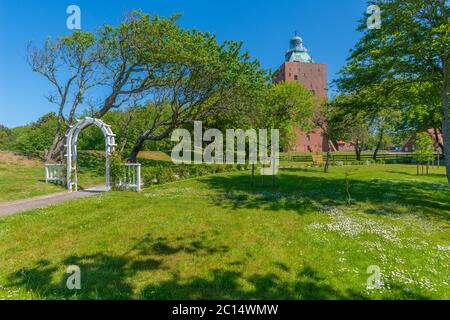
[{"x": 297, "y": 52}]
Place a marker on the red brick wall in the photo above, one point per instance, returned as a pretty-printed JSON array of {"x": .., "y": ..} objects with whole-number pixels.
[
  {"x": 345, "y": 146},
  {"x": 312, "y": 75},
  {"x": 311, "y": 141}
]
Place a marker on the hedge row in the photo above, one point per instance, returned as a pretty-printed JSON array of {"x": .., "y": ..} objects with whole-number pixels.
[{"x": 165, "y": 174}]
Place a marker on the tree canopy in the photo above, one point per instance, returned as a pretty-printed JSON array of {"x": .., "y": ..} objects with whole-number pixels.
[
  {"x": 405, "y": 64},
  {"x": 180, "y": 75}
]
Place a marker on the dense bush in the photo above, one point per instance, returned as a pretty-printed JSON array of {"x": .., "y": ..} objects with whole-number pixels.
[
  {"x": 6, "y": 138},
  {"x": 161, "y": 175},
  {"x": 91, "y": 160},
  {"x": 35, "y": 137},
  {"x": 149, "y": 175},
  {"x": 117, "y": 170}
]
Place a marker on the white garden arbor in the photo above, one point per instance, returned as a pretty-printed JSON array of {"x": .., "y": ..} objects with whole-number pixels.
[
  {"x": 54, "y": 173},
  {"x": 71, "y": 150}
]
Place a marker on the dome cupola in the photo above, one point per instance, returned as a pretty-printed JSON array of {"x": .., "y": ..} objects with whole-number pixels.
[{"x": 297, "y": 52}]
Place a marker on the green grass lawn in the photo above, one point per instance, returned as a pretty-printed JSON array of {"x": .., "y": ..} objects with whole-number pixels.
[
  {"x": 20, "y": 182},
  {"x": 24, "y": 178},
  {"x": 215, "y": 237}
]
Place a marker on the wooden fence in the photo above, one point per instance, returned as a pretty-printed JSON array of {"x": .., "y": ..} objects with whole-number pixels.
[
  {"x": 132, "y": 178},
  {"x": 386, "y": 157},
  {"x": 55, "y": 173}
]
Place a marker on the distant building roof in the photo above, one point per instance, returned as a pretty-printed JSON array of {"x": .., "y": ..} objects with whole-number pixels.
[{"x": 297, "y": 52}]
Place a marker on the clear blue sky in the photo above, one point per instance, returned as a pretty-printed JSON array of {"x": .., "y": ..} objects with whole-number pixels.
[{"x": 326, "y": 26}]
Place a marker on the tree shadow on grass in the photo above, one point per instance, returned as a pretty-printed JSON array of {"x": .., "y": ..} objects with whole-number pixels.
[
  {"x": 103, "y": 276},
  {"x": 108, "y": 276},
  {"x": 429, "y": 175},
  {"x": 307, "y": 284},
  {"x": 226, "y": 284},
  {"x": 305, "y": 194}
]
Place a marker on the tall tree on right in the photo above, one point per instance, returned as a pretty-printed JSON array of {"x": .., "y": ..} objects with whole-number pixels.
[{"x": 411, "y": 47}]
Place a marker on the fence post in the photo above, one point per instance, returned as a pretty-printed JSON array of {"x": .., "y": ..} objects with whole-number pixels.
[{"x": 138, "y": 177}]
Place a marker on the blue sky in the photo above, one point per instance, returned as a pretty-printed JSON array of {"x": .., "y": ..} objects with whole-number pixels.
[{"x": 326, "y": 26}]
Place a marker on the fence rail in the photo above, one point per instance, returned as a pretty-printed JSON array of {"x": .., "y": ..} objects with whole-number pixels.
[
  {"x": 406, "y": 157},
  {"x": 132, "y": 178},
  {"x": 55, "y": 173}
]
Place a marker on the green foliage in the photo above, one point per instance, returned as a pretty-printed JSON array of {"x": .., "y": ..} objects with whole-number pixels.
[
  {"x": 160, "y": 174},
  {"x": 117, "y": 169},
  {"x": 6, "y": 138},
  {"x": 91, "y": 160},
  {"x": 286, "y": 106},
  {"x": 405, "y": 65},
  {"x": 166, "y": 175},
  {"x": 149, "y": 175},
  {"x": 195, "y": 76},
  {"x": 162, "y": 75},
  {"x": 424, "y": 147},
  {"x": 36, "y": 137}
]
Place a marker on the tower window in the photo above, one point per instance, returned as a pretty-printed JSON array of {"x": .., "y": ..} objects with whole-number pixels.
[{"x": 296, "y": 77}]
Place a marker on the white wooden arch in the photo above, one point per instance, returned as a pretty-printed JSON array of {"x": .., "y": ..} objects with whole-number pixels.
[{"x": 71, "y": 150}]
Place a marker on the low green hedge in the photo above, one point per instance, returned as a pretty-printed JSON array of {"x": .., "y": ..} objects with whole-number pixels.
[{"x": 165, "y": 174}]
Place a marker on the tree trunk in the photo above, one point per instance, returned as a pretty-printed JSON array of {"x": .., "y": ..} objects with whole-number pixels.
[
  {"x": 446, "y": 120},
  {"x": 253, "y": 174},
  {"x": 436, "y": 137},
  {"x": 132, "y": 158},
  {"x": 380, "y": 141},
  {"x": 56, "y": 152},
  {"x": 327, "y": 160},
  {"x": 123, "y": 145},
  {"x": 358, "y": 151}
]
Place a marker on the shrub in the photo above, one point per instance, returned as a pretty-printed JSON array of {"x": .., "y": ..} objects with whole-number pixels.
[
  {"x": 117, "y": 170},
  {"x": 217, "y": 168},
  {"x": 166, "y": 175},
  {"x": 159, "y": 174},
  {"x": 198, "y": 170},
  {"x": 182, "y": 172},
  {"x": 150, "y": 175}
]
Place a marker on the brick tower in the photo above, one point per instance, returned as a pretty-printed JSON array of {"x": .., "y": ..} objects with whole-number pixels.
[{"x": 300, "y": 67}]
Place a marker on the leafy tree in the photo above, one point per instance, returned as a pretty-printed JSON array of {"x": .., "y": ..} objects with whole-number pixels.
[
  {"x": 127, "y": 124},
  {"x": 347, "y": 108},
  {"x": 382, "y": 126},
  {"x": 410, "y": 49},
  {"x": 122, "y": 63},
  {"x": 197, "y": 78},
  {"x": 6, "y": 138},
  {"x": 69, "y": 64},
  {"x": 424, "y": 150},
  {"x": 286, "y": 105},
  {"x": 283, "y": 106},
  {"x": 37, "y": 136},
  {"x": 333, "y": 122},
  {"x": 178, "y": 75}
]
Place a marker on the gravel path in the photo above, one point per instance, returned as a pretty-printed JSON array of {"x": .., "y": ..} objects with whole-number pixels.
[{"x": 9, "y": 208}]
